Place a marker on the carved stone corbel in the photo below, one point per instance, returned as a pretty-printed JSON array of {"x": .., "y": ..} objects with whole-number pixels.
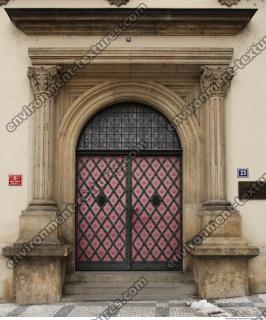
[
  {"x": 220, "y": 77},
  {"x": 118, "y": 3},
  {"x": 3, "y": 2},
  {"x": 42, "y": 80},
  {"x": 229, "y": 3}
]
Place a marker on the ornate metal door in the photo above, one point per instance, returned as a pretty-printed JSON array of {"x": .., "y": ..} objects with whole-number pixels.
[
  {"x": 156, "y": 211},
  {"x": 129, "y": 204},
  {"x": 101, "y": 216}
]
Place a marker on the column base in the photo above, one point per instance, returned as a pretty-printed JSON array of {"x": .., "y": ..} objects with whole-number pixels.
[
  {"x": 42, "y": 205},
  {"x": 221, "y": 267},
  {"x": 216, "y": 205}
]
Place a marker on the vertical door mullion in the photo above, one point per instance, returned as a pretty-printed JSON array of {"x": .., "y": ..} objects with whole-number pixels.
[{"x": 128, "y": 212}]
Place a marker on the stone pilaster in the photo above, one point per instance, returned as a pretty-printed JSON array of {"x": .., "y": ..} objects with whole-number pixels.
[
  {"x": 215, "y": 82},
  {"x": 42, "y": 81},
  {"x": 220, "y": 261},
  {"x": 42, "y": 210}
]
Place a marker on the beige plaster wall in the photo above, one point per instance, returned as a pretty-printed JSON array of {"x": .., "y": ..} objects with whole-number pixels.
[{"x": 245, "y": 120}]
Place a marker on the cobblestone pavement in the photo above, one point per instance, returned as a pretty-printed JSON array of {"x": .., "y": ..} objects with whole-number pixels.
[{"x": 252, "y": 306}]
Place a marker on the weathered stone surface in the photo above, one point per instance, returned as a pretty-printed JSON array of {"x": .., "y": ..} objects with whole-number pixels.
[
  {"x": 224, "y": 223},
  {"x": 257, "y": 269},
  {"x": 39, "y": 223},
  {"x": 38, "y": 281},
  {"x": 220, "y": 267},
  {"x": 41, "y": 251},
  {"x": 219, "y": 277},
  {"x": 229, "y": 249}
]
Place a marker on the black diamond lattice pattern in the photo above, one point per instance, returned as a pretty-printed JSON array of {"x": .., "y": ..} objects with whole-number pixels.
[
  {"x": 156, "y": 225},
  {"x": 125, "y": 126},
  {"x": 101, "y": 212}
]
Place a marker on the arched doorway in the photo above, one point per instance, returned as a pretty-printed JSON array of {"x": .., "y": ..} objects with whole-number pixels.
[{"x": 128, "y": 191}]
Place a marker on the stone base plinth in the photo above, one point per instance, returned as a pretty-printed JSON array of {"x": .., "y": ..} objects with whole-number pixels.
[
  {"x": 38, "y": 275},
  {"x": 221, "y": 270},
  {"x": 38, "y": 281}
]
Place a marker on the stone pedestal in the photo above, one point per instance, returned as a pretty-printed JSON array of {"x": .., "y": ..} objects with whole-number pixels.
[
  {"x": 39, "y": 281},
  {"x": 38, "y": 275},
  {"x": 220, "y": 262},
  {"x": 221, "y": 270}
]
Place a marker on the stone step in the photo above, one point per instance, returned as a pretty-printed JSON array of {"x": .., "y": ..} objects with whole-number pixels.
[
  {"x": 112, "y": 297},
  {"x": 108, "y": 286},
  {"x": 128, "y": 276},
  {"x": 149, "y": 290}
]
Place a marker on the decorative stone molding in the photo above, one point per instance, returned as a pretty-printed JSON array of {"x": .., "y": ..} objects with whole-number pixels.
[
  {"x": 221, "y": 77},
  {"x": 229, "y": 3},
  {"x": 118, "y": 3},
  {"x": 150, "y": 21},
  {"x": 3, "y": 2},
  {"x": 42, "y": 80},
  {"x": 114, "y": 55}
]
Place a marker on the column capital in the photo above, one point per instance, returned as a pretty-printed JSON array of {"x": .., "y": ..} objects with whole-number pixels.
[
  {"x": 216, "y": 80},
  {"x": 43, "y": 80}
]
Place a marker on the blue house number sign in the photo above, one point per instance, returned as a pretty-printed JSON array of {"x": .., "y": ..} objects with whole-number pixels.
[{"x": 242, "y": 173}]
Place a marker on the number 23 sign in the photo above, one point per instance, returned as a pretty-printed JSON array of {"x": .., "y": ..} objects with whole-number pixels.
[{"x": 242, "y": 172}]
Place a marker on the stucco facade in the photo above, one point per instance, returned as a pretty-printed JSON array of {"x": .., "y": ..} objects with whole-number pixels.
[{"x": 166, "y": 73}]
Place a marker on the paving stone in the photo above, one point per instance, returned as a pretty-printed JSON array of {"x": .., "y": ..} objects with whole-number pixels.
[
  {"x": 262, "y": 296},
  {"x": 242, "y": 304},
  {"x": 43, "y": 310},
  {"x": 6, "y": 308},
  {"x": 178, "y": 303},
  {"x": 64, "y": 311},
  {"x": 162, "y": 312},
  {"x": 162, "y": 304},
  {"x": 88, "y": 311},
  {"x": 17, "y": 311},
  {"x": 255, "y": 298},
  {"x": 182, "y": 312},
  {"x": 233, "y": 300},
  {"x": 133, "y": 311},
  {"x": 243, "y": 311},
  {"x": 239, "y": 307}
]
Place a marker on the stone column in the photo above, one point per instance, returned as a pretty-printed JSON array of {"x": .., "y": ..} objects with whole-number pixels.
[
  {"x": 42, "y": 210},
  {"x": 215, "y": 83},
  {"x": 42, "y": 81},
  {"x": 220, "y": 254}
]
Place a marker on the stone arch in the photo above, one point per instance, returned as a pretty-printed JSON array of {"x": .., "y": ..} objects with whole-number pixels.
[{"x": 150, "y": 93}]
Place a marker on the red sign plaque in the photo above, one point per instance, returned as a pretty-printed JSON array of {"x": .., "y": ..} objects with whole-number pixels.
[{"x": 15, "y": 180}]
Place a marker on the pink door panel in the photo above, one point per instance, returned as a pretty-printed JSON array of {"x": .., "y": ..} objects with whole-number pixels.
[
  {"x": 128, "y": 213},
  {"x": 156, "y": 209},
  {"x": 101, "y": 211}
]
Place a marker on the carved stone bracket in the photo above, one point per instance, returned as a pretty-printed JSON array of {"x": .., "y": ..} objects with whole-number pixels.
[
  {"x": 3, "y": 2},
  {"x": 219, "y": 77},
  {"x": 229, "y": 3},
  {"x": 42, "y": 80},
  {"x": 118, "y": 3}
]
